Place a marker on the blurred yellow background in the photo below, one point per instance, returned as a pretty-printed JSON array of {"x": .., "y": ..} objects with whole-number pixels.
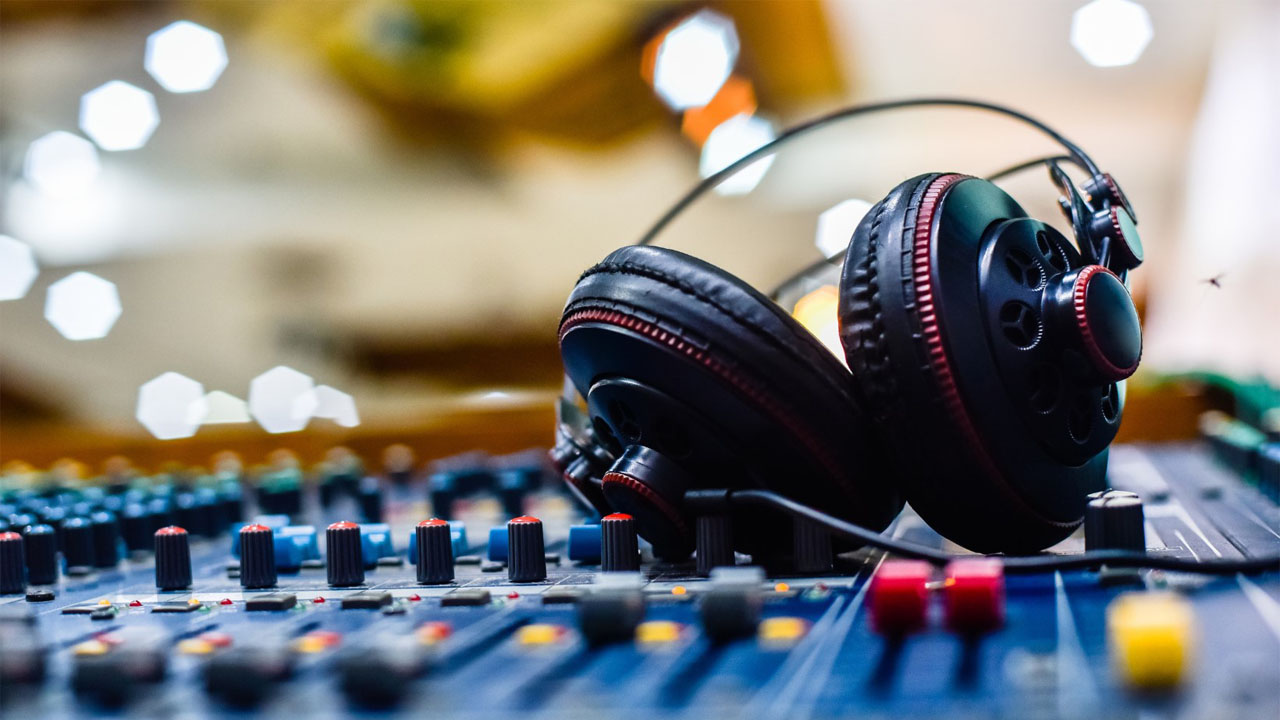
[{"x": 395, "y": 197}]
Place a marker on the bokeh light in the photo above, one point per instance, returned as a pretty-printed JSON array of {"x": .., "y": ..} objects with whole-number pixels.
[
  {"x": 337, "y": 406},
  {"x": 1111, "y": 33},
  {"x": 736, "y": 97},
  {"x": 818, "y": 312},
  {"x": 17, "y": 268},
  {"x": 695, "y": 59},
  {"x": 82, "y": 306},
  {"x": 171, "y": 406},
  {"x": 732, "y": 139},
  {"x": 61, "y": 164},
  {"x": 185, "y": 57},
  {"x": 282, "y": 399},
  {"x": 836, "y": 226},
  {"x": 224, "y": 408},
  {"x": 119, "y": 116}
]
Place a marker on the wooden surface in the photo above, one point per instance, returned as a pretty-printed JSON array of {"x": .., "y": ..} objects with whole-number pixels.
[{"x": 1166, "y": 413}]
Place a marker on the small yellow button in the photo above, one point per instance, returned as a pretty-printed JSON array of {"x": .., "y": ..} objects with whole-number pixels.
[
  {"x": 309, "y": 645},
  {"x": 195, "y": 646},
  {"x": 540, "y": 634},
  {"x": 657, "y": 632},
  {"x": 104, "y": 602},
  {"x": 782, "y": 630},
  {"x": 1152, "y": 637},
  {"x": 91, "y": 647}
]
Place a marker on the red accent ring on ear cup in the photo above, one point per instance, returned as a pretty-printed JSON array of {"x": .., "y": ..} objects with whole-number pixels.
[
  {"x": 617, "y": 479},
  {"x": 922, "y": 280},
  {"x": 1080, "y": 302},
  {"x": 722, "y": 370}
]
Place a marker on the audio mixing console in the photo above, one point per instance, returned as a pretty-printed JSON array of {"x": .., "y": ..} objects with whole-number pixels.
[{"x": 336, "y": 599}]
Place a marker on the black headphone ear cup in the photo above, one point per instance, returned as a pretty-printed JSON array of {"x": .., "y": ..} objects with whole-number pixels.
[
  {"x": 922, "y": 370},
  {"x": 678, "y": 356}
]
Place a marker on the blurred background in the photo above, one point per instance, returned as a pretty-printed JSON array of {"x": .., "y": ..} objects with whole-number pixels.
[{"x": 391, "y": 199}]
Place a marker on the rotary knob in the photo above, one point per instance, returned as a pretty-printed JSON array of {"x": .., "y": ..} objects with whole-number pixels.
[
  {"x": 12, "y": 577},
  {"x": 1113, "y": 520},
  {"x": 173, "y": 558},
  {"x": 526, "y": 551},
  {"x": 714, "y": 543},
  {"x": 135, "y": 524},
  {"x": 77, "y": 545},
  {"x": 257, "y": 556},
  {"x": 435, "y": 552},
  {"x": 42, "y": 554},
  {"x": 106, "y": 539},
  {"x": 345, "y": 560},
  {"x": 1095, "y": 309},
  {"x": 619, "y": 551}
]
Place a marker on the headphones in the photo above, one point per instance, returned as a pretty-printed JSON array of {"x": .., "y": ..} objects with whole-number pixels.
[{"x": 986, "y": 357}]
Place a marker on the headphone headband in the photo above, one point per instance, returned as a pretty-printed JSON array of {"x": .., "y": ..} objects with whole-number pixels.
[{"x": 1074, "y": 153}]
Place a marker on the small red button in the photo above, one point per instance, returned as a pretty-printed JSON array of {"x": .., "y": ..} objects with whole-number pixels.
[
  {"x": 898, "y": 596},
  {"x": 974, "y": 592}
]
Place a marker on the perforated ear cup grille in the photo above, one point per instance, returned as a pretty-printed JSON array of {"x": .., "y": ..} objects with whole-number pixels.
[{"x": 902, "y": 375}]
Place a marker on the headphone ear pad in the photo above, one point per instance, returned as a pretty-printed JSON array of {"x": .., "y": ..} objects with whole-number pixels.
[
  {"x": 685, "y": 361},
  {"x": 930, "y": 388}
]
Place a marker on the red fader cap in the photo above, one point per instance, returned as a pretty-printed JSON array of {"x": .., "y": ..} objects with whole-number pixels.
[
  {"x": 974, "y": 592},
  {"x": 898, "y": 596}
]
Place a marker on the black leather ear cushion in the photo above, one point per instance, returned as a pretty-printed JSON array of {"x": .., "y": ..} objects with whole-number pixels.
[
  {"x": 735, "y": 330},
  {"x": 947, "y": 470}
]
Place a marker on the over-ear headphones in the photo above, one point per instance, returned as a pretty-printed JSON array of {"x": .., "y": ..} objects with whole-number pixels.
[{"x": 986, "y": 357}]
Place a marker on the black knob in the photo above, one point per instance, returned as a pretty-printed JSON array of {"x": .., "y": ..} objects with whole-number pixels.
[
  {"x": 77, "y": 543},
  {"x": 135, "y": 525},
  {"x": 106, "y": 539},
  {"x": 435, "y": 552},
  {"x": 1117, "y": 225},
  {"x": 12, "y": 575},
  {"x": 1096, "y": 312},
  {"x": 371, "y": 499},
  {"x": 173, "y": 558},
  {"x": 161, "y": 515},
  {"x": 345, "y": 562},
  {"x": 811, "y": 547},
  {"x": 526, "y": 551},
  {"x": 53, "y": 517},
  {"x": 714, "y": 543},
  {"x": 619, "y": 550},
  {"x": 442, "y": 491},
  {"x": 1113, "y": 520},
  {"x": 232, "y": 503},
  {"x": 42, "y": 554},
  {"x": 257, "y": 557},
  {"x": 186, "y": 514}
]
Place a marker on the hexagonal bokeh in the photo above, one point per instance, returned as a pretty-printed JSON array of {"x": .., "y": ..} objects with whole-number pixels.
[
  {"x": 171, "y": 406},
  {"x": 1111, "y": 33},
  {"x": 732, "y": 139},
  {"x": 185, "y": 57},
  {"x": 282, "y": 399},
  {"x": 337, "y": 406},
  {"x": 61, "y": 163},
  {"x": 225, "y": 408},
  {"x": 119, "y": 116},
  {"x": 836, "y": 226},
  {"x": 695, "y": 59},
  {"x": 82, "y": 306},
  {"x": 17, "y": 268}
]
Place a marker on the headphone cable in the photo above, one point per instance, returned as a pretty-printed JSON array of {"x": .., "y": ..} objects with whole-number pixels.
[{"x": 1012, "y": 565}]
